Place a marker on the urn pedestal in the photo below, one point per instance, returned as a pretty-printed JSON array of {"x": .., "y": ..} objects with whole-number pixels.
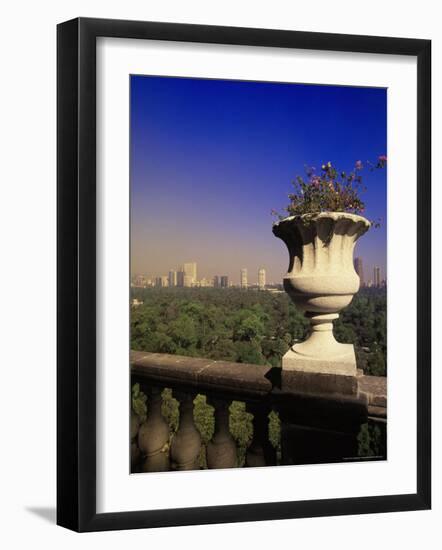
[{"x": 321, "y": 281}]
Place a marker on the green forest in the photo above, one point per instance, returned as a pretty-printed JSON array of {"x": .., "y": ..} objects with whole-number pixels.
[{"x": 249, "y": 326}]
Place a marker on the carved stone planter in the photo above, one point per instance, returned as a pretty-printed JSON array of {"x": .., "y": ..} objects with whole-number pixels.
[{"x": 321, "y": 281}]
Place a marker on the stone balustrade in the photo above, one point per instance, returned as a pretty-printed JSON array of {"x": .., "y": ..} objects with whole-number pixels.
[{"x": 315, "y": 426}]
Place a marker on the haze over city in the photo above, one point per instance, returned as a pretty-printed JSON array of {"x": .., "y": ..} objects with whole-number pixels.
[{"x": 210, "y": 159}]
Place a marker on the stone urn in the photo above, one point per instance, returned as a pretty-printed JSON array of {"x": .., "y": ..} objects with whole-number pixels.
[{"x": 321, "y": 281}]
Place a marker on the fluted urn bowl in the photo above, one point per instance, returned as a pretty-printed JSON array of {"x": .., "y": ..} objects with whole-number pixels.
[{"x": 321, "y": 279}]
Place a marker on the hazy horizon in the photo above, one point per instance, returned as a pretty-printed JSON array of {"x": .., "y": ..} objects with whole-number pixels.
[{"x": 211, "y": 158}]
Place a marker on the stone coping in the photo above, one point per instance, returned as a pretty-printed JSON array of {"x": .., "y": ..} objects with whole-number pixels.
[
  {"x": 201, "y": 374},
  {"x": 241, "y": 379},
  {"x": 375, "y": 387}
]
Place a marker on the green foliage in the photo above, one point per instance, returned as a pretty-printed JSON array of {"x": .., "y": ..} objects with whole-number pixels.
[
  {"x": 170, "y": 410},
  {"x": 275, "y": 431},
  {"x": 372, "y": 440},
  {"x": 364, "y": 323},
  {"x": 248, "y": 327},
  {"x": 139, "y": 402}
]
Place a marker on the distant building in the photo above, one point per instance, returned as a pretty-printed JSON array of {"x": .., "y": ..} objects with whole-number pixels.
[
  {"x": 243, "y": 277},
  {"x": 216, "y": 282},
  {"x": 261, "y": 279},
  {"x": 180, "y": 278},
  {"x": 172, "y": 278},
  {"x": 377, "y": 276},
  {"x": 359, "y": 270},
  {"x": 224, "y": 281},
  {"x": 162, "y": 282},
  {"x": 189, "y": 270},
  {"x": 140, "y": 281}
]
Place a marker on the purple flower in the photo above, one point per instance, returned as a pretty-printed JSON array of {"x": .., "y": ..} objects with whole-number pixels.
[
  {"x": 315, "y": 181},
  {"x": 329, "y": 190}
]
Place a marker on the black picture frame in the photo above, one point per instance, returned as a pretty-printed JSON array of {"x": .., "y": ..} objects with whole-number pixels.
[{"x": 76, "y": 274}]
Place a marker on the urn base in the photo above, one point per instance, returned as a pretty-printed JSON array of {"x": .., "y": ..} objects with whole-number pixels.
[
  {"x": 342, "y": 364},
  {"x": 313, "y": 375}
]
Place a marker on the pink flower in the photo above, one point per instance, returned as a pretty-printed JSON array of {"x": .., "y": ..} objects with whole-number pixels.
[
  {"x": 315, "y": 180},
  {"x": 358, "y": 165},
  {"x": 382, "y": 158}
]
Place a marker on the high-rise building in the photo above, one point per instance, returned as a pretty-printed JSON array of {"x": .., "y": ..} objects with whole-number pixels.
[
  {"x": 216, "y": 282},
  {"x": 172, "y": 278},
  {"x": 158, "y": 282},
  {"x": 180, "y": 278},
  {"x": 164, "y": 281},
  {"x": 377, "y": 276},
  {"x": 189, "y": 273},
  {"x": 359, "y": 268},
  {"x": 244, "y": 277},
  {"x": 139, "y": 280},
  {"x": 261, "y": 278},
  {"x": 224, "y": 281}
]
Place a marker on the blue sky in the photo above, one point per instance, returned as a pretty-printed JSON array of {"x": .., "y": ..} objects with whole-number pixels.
[{"x": 211, "y": 158}]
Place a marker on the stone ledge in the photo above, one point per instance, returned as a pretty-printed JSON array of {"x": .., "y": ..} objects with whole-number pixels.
[
  {"x": 324, "y": 411},
  {"x": 375, "y": 388},
  {"x": 242, "y": 380},
  {"x": 201, "y": 374},
  {"x": 318, "y": 383},
  {"x": 377, "y": 413}
]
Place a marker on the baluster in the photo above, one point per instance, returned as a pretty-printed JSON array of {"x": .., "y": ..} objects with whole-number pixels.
[
  {"x": 260, "y": 451},
  {"x": 135, "y": 453},
  {"x": 186, "y": 443},
  {"x": 153, "y": 435},
  {"x": 221, "y": 450}
]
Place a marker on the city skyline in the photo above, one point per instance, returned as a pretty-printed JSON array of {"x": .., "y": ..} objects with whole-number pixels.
[
  {"x": 210, "y": 159},
  {"x": 176, "y": 277},
  {"x": 379, "y": 277},
  {"x": 216, "y": 280}
]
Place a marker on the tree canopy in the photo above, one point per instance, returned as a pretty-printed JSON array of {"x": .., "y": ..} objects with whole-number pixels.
[{"x": 249, "y": 326}]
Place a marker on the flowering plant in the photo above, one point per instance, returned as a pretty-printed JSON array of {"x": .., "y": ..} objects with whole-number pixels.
[{"x": 330, "y": 190}]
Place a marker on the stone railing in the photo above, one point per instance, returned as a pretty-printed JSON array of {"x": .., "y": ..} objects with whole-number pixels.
[{"x": 315, "y": 425}]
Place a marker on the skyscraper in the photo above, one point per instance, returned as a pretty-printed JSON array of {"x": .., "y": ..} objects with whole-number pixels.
[
  {"x": 261, "y": 278},
  {"x": 359, "y": 270},
  {"x": 189, "y": 273},
  {"x": 377, "y": 276},
  {"x": 216, "y": 281},
  {"x": 224, "y": 281},
  {"x": 244, "y": 277},
  {"x": 180, "y": 278},
  {"x": 172, "y": 278}
]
